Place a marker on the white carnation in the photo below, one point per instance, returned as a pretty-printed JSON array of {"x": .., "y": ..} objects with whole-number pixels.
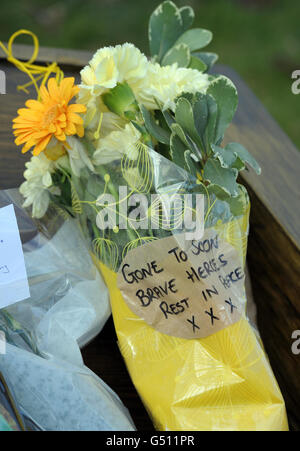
[
  {"x": 109, "y": 66},
  {"x": 165, "y": 83}
]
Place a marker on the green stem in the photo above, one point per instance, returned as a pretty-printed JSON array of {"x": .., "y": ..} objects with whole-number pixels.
[
  {"x": 101, "y": 169},
  {"x": 103, "y": 172}
]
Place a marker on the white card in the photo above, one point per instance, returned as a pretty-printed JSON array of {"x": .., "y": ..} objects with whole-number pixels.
[{"x": 13, "y": 277}]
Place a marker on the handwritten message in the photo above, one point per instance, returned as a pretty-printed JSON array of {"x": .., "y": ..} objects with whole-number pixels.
[
  {"x": 187, "y": 289},
  {"x": 13, "y": 278}
]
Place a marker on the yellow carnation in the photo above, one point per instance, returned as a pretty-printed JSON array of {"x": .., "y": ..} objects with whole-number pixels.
[
  {"x": 165, "y": 83},
  {"x": 109, "y": 66}
]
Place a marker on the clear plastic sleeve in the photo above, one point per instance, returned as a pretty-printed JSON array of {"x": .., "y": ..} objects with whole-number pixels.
[
  {"x": 67, "y": 308},
  {"x": 220, "y": 381}
]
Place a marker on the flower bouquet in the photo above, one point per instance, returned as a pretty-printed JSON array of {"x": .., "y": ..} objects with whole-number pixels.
[
  {"x": 41, "y": 337},
  {"x": 138, "y": 160}
]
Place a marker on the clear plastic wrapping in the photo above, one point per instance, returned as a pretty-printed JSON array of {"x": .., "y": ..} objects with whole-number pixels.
[
  {"x": 220, "y": 380},
  {"x": 68, "y": 307}
]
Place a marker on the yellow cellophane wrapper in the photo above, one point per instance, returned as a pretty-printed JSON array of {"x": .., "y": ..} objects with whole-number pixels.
[{"x": 218, "y": 383}]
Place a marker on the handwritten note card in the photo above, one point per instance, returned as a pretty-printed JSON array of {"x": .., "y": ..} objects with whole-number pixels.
[
  {"x": 187, "y": 289},
  {"x": 13, "y": 278}
]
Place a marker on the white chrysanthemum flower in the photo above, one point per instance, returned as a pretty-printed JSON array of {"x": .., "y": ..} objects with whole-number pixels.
[
  {"x": 109, "y": 66},
  {"x": 38, "y": 185},
  {"x": 117, "y": 144},
  {"x": 165, "y": 83}
]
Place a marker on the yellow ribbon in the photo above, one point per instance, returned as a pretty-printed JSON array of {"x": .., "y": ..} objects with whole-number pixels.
[{"x": 34, "y": 71}]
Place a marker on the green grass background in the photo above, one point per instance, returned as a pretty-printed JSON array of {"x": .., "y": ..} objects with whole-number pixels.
[{"x": 258, "y": 38}]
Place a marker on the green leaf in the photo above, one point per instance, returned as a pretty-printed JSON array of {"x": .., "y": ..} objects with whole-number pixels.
[
  {"x": 225, "y": 178},
  {"x": 207, "y": 57},
  {"x": 196, "y": 63},
  {"x": 225, "y": 156},
  {"x": 234, "y": 155},
  {"x": 205, "y": 117},
  {"x": 120, "y": 100},
  {"x": 218, "y": 191},
  {"x": 242, "y": 153},
  {"x": 130, "y": 115},
  {"x": 187, "y": 16},
  {"x": 179, "y": 54},
  {"x": 225, "y": 94},
  {"x": 160, "y": 119},
  {"x": 165, "y": 27},
  {"x": 153, "y": 128},
  {"x": 168, "y": 118},
  {"x": 212, "y": 117},
  {"x": 139, "y": 127},
  {"x": 184, "y": 115},
  {"x": 238, "y": 164},
  {"x": 238, "y": 204},
  {"x": 187, "y": 141},
  {"x": 195, "y": 39},
  {"x": 180, "y": 133},
  {"x": 200, "y": 109},
  {"x": 191, "y": 164},
  {"x": 177, "y": 149}
]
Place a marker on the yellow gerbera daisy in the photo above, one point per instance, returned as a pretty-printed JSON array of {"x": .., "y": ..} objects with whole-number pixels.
[{"x": 50, "y": 117}]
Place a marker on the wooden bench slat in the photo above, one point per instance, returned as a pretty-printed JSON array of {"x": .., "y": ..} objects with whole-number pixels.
[
  {"x": 76, "y": 58},
  {"x": 278, "y": 187}
]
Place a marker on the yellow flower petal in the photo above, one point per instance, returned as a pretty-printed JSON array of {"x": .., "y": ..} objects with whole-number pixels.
[
  {"x": 34, "y": 105},
  {"x": 80, "y": 130},
  {"x": 70, "y": 129},
  {"x": 77, "y": 108},
  {"x": 75, "y": 118},
  {"x": 41, "y": 146},
  {"x": 53, "y": 88},
  {"x": 51, "y": 117}
]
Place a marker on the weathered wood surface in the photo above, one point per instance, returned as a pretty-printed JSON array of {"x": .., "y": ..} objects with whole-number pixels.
[
  {"x": 70, "y": 57},
  {"x": 274, "y": 242}
]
